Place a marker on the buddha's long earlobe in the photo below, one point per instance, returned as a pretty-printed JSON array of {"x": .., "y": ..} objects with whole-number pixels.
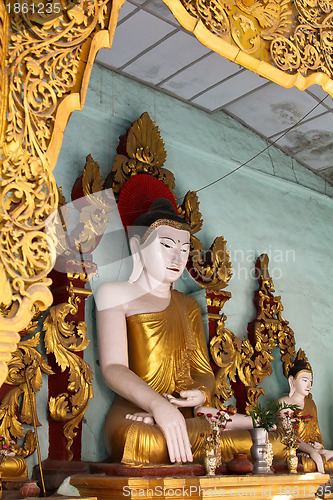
[
  {"x": 291, "y": 386},
  {"x": 136, "y": 259}
]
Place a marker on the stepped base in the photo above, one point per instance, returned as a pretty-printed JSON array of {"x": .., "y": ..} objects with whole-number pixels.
[{"x": 260, "y": 487}]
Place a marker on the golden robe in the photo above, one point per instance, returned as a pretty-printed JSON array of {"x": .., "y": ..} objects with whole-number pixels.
[
  {"x": 167, "y": 350},
  {"x": 310, "y": 433}
]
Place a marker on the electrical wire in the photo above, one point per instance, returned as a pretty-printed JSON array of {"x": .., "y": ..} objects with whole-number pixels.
[{"x": 260, "y": 152}]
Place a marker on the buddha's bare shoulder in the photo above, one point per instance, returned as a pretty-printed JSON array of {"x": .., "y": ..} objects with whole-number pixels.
[
  {"x": 114, "y": 295},
  {"x": 285, "y": 400}
]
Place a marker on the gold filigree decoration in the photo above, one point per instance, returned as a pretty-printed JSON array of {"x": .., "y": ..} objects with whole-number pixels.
[
  {"x": 233, "y": 356},
  {"x": 249, "y": 361},
  {"x": 64, "y": 339},
  {"x": 3, "y": 66},
  {"x": 268, "y": 330},
  {"x": 211, "y": 269},
  {"x": 92, "y": 181},
  {"x": 217, "y": 299},
  {"x": 141, "y": 151},
  {"x": 80, "y": 232},
  {"x": 247, "y": 25},
  {"x": 310, "y": 46},
  {"x": 190, "y": 211},
  {"x": 289, "y": 43},
  {"x": 15, "y": 409}
]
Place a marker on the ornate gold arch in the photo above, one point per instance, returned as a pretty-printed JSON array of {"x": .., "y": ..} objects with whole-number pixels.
[{"x": 289, "y": 42}]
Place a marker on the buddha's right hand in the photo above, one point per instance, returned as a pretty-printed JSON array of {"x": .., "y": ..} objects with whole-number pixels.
[{"x": 173, "y": 426}]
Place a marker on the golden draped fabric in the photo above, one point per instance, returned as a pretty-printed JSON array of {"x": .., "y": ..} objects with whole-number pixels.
[
  {"x": 167, "y": 350},
  {"x": 310, "y": 433}
]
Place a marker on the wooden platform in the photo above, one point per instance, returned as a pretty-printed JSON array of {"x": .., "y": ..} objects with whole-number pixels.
[{"x": 258, "y": 487}]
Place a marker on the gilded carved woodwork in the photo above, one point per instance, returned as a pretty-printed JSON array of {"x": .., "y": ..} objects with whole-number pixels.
[
  {"x": 3, "y": 70},
  {"x": 92, "y": 206},
  {"x": 64, "y": 339},
  {"x": 25, "y": 367},
  {"x": 141, "y": 150},
  {"x": 245, "y": 363},
  {"x": 287, "y": 42},
  {"x": 65, "y": 334},
  {"x": 210, "y": 269},
  {"x": 233, "y": 357}
]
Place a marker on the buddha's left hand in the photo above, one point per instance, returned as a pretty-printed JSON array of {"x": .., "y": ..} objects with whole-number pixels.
[{"x": 188, "y": 399}]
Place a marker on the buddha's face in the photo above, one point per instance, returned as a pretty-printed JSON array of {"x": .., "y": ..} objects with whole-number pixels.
[
  {"x": 165, "y": 253},
  {"x": 303, "y": 383}
]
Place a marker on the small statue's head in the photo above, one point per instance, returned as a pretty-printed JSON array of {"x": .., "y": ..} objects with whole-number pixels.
[
  {"x": 300, "y": 376},
  {"x": 159, "y": 238}
]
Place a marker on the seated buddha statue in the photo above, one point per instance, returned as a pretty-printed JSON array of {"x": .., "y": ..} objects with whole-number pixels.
[
  {"x": 152, "y": 342},
  {"x": 312, "y": 453},
  {"x": 153, "y": 349}
]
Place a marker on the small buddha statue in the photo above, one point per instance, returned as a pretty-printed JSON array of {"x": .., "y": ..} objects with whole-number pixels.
[{"x": 312, "y": 452}]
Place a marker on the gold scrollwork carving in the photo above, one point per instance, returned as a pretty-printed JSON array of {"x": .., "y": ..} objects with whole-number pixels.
[
  {"x": 217, "y": 299},
  {"x": 309, "y": 47},
  {"x": 233, "y": 356},
  {"x": 92, "y": 206},
  {"x": 64, "y": 339},
  {"x": 141, "y": 152},
  {"x": 247, "y": 25},
  {"x": 287, "y": 42},
  {"x": 210, "y": 269},
  {"x": 267, "y": 331},
  {"x": 249, "y": 361},
  {"x": 26, "y": 364},
  {"x": 45, "y": 59},
  {"x": 3, "y": 66},
  {"x": 190, "y": 211}
]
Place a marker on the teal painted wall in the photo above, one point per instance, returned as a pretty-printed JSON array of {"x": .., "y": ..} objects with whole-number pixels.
[{"x": 271, "y": 205}]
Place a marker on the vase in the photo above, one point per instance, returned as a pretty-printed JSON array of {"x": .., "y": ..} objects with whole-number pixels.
[
  {"x": 258, "y": 449},
  {"x": 269, "y": 455},
  {"x": 30, "y": 489},
  {"x": 210, "y": 462},
  {"x": 292, "y": 460},
  {"x": 240, "y": 464},
  {"x": 218, "y": 450}
]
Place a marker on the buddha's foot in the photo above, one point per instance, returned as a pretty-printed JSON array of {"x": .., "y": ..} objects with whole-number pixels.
[{"x": 144, "y": 417}]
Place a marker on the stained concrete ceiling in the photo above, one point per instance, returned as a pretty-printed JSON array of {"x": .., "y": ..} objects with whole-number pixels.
[{"x": 151, "y": 47}]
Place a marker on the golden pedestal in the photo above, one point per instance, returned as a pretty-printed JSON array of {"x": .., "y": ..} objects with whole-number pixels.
[{"x": 258, "y": 487}]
